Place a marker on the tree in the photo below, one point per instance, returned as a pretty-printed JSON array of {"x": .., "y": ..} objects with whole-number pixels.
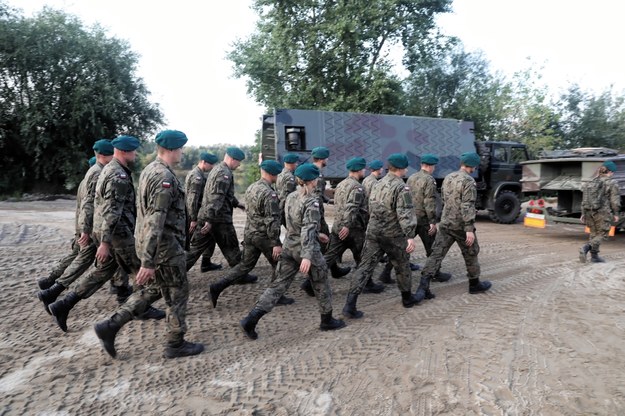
[
  {"x": 63, "y": 86},
  {"x": 333, "y": 55}
]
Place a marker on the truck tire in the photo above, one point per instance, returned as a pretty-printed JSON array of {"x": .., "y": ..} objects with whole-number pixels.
[{"x": 507, "y": 208}]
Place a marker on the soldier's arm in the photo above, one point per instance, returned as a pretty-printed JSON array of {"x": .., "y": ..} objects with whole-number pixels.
[
  {"x": 309, "y": 233},
  {"x": 615, "y": 198},
  {"x": 272, "y": 217},
  {"x": 194, "y": 191},
  {"x": 113, "y": 205},
  {"x": 85, "y": 219},
  {"x": 351, "y": 214},
  {"x": 467, "y": 205},
  {"x": 214, "y": 198},
  {"x": 405, "y": 211},
  {"x": 429, "y": 200},
  {"x": 159, "y": 199}
]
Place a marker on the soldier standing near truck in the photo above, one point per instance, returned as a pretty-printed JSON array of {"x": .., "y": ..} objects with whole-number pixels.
[{"x": 600, "y": 204}]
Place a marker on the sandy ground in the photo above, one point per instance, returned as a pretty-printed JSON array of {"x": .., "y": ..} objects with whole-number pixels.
[{"x": 546, "y": 340}]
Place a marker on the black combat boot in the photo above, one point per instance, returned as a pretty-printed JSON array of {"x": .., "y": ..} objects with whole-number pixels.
[
  {"x": 45, "y": 282},
  {"x": 50, "y": 294},
  {"x": 349, "y": 310},
  {"x": 184, "y": 349},
  {"x": 306, "y": 286},
  {"x": 207, "y": 265},
  {"x": 372, "y": 287},
  {"x": 328, "y": 323},
  {"x": 423, "y": 291},
  {"x": 338, "y": 272},
  {"x": 60, "y": 309},
  {"x": 594, "y": 257},
  {"x": 152, "y": 313},
  {"x": 123, "y": 293},
  {"x": 215, "y": 290},
  {"x": 248, "y": 278},
  {"x": 408, "y": 300},
  {"x": 441, "y": 276},
  {"x": 106, "y": 331},
  {"x": 284, "y": 300},
  {"x": 414, "y": 267},
  {"x": 385, "y": 276},
  {"x": 249, "y": 322},
  {"x": 475, "y": 286},
  {"x": 583, "y": 251}
]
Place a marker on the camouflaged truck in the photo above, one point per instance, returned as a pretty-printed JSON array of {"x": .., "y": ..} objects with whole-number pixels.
[
  {"x": 375, "y": 136},
  {"x": 562, "y": 174}
]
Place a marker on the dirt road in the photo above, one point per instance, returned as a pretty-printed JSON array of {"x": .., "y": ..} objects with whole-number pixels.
[{"x": 546, "y": 340}]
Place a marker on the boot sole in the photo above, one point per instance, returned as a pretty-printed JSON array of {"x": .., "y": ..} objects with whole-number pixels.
[
  {"x": 173, "y": 354},
  {"x": 112, "y": 352},
  {"x": 343, "y": 325}
]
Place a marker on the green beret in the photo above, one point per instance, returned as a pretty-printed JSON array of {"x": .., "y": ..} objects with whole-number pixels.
[
  {"x": 321, "y": 152},
  {"x": 271, "y": 167},
  {"x": 429, "y": 159},
  {"x": 355, "y": 164},
  {"x": 92, "y": 161},
  {"x": 399, "y": 160},
  {"x": 376, "y": 165},
  {"x": 103, "y": 147},
  {"x": 611, "y": 166},
  {"x": 171, "y": 139},
  {"x": 291, "y": 158},
  {"x": 307, "y": 172},
  {"x": 470, "y": 159},
  {"x": 235, "y": 153},
  {"x": 209, "y": 158},
  {"x": 126, "y": 143}
]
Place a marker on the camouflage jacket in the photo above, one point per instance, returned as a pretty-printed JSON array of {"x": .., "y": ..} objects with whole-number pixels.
[
  {"x": 391, "y": 210},
  {"x": 115, "y": 212},
  {"x": 320, "y": 190},
  {"x": 194, "y": 188},
  {"x": 85, "y": 200},
  {"x": 351, "y": 205},
  {"x": 368, "y": 183},
  {"x": 302, "y": 224},
  {"x": 263, "y": 212},
  {"x": 459, "y": 194},
  {"x": 423, "y": 188},
  {"x": 612, "y": 195},
  {"x": 285, "y": 184},
  {"x": 605, "y": 196},
  {"x": 161, "y": 221},
  {"x": 218, "y": 201}
]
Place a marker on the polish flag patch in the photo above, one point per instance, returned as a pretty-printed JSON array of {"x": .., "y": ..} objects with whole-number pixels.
[
  {"x": 166, "y": 185},
  {"x": 225, "y": 176}
]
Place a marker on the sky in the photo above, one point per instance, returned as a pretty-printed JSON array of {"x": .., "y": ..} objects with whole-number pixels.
[{"x": 183, "y": 46}]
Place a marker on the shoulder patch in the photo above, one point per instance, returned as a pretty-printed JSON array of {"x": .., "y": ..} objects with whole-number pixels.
[
  {"x": 123, "y": 175},
  {"x": 166, "y": 184},
  {"x": 292, "y": 179},
  {"x": 273, "y": 195},
  {"x": 406, "y": 188},
  {"x": 198, "y": 178},
  {"x": 316, "y": 204},
  {"x": 226, "y": 176}
]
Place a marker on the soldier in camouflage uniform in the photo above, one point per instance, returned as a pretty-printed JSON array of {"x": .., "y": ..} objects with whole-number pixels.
[
  {"x": 424, "y": 197},
  {"x": 285, "y": 184},
  {"x": 195, "y": 183},
  {"x": 350, "y": 222},
  {"x": 457, "y": 226},
  {"x": 262, "y": 230},
  {"x": 161, "y": 236},
  {"x": 600, "y": 206},
  {"x": 113, "y": 231},
  {"x": 377, "y": 171},
  {"x": 215, "y": 215},
  {"x": 301, "y": 252},
  {"x": 391, "y": 230}
]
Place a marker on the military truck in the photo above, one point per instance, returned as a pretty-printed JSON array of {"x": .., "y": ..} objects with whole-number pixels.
[
  {"x": 561, "y": 174},
  {"x": 376, "y": 136}
]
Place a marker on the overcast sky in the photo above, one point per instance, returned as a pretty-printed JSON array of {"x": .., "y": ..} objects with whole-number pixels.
[{"x": 183, "y": 44}]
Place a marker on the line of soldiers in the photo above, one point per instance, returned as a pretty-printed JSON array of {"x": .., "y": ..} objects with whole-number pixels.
[{"x": 373, "y": 218}]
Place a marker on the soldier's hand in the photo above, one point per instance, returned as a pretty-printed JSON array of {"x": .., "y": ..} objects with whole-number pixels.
[
  {"x": 84, "y": 239},
  {"x": 205, "y": 228},
  {"x": 616, "y": 218},
  {"x": 144, "y": 276},
  {"x": 277, "y": 251},
  {"x": 343, "y": 233},
  {"x": 432, "y": 229},
  {"x": 411, "y": 246},
  {"x": 241, "y": 207},
  {"x": 304, "y": 266},
  {"x": 323, "y": 238},
  {"x": 103, "y": 252},
  {"x": 470, "y": 238},
  {"x": 192, "y": 226}
]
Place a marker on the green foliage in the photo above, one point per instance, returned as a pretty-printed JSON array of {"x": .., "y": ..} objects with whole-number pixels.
[{"x": 63, "y": 86}]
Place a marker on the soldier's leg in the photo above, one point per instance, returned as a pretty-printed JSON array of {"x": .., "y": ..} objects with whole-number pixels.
[
  {"x": 319, "y": 277},
  {"x": 371, "y": 254},
  {"x": 58, "y": 270},
  {"x": 470, "y": 255},
  {"x": 226, "y": 238},
  {"x": 426, "y": 238},
  {"x": 601, "y": 222},
  {"x": 207, "y": 263},
  {"x": 442, "y": 243},
  {"x": 199, "y": 243}
]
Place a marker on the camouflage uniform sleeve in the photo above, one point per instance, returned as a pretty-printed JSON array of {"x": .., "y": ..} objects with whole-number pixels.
[
  {"x": 429, "y": 200},
  {"x": 309, "y": 232},
  {"x": 114, "y": 198},
  {"x": 351, "y": 213},
  {"x": 194, "y": 192},
  {"x": 467, "y": 204},
  {"x": 615, "y": 197},
  {"x": 405, "y": 211},
  {"x": 85, "y": 219},
  {"x": 160, "y": 190},
  {"x": 272, "y": 217},
  {"x": 214, "y": 199}
]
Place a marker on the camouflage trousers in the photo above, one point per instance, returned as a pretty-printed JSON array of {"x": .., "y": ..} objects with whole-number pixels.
[
  {"x": 426, "y": 238},
  {"x": 253, "y": 247},
  {"x": 599, "y": 223},
  {"x": 442, "y": 243},
  {"x": 375, "y": 246},
  {"x": 354, "y": 242},
  {"x": 170, "y": 283},
  {"x": 65, "y": 262},
  {"x": 123, "y": 255},
  {"x": 286, "y": 270},
  {"x": 222, "y": 234}
]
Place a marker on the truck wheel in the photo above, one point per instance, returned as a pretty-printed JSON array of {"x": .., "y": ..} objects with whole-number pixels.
[{"x": 507, "y": 208}]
